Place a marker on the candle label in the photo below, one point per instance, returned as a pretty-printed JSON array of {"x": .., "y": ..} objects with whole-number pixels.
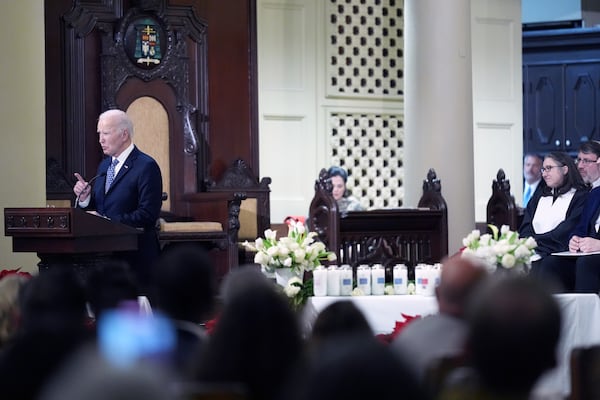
[
  {"x": 381, "y": 280},
  {"x": 363, "y": 281},
  {"x": 347, "y": 281},
  {"x": 422, "y": 281},
  {"x": 397, "y": 281}
]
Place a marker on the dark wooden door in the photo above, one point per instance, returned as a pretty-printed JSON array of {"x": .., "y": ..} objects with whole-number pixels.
[
  {"x": 582, "y": 106},
  {"x": 544, "y": 98}
]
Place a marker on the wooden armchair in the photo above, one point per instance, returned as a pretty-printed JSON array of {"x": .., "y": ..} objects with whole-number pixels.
[
  {"x": 218, "y": 236},
  {"x": 501, "y": 207},
  {"x": 247, "y": 215},
  {"x": 254, "y": 212}
]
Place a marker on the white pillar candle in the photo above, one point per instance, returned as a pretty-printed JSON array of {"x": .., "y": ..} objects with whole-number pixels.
[
  {"x": 425, "y": 280},
  {"x": 400, "y": 279},
  {"x": 377, "y": 280},
  {"x": 320, "y": 281},
  {"x": 333, "y": 281},
  {"x": 345, "y": 280},
  {"x": 363, "y": 279}
]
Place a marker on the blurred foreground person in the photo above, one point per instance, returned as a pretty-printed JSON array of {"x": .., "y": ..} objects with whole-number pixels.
[
  {"x": 52, "y": 328},
  {"x": 256, "y": 343},
  {"x": 185, "y": 292},
  {"x": 338, "y": 320},
  {"x": 420, "y": 341},
  {"x": 356, "y": 367},
  {"x": 91, "y": 377},
  {"x": 514, "y": 329}
]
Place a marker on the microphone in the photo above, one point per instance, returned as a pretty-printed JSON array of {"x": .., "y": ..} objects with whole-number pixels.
[{"x": 87, "y": 185}]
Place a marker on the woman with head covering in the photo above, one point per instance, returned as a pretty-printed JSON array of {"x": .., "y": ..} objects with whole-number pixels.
[{"x": 345, "y": 201}]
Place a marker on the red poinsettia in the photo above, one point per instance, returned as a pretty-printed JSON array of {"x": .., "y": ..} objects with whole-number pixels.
[
  {"x": 6, "y": 272},
  {"x": 389, "y": 337},
  {"x": 210, "y": 325}
]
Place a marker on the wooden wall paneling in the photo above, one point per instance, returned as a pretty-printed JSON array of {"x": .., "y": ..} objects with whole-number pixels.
[
  {"x": 232, "y": 83},
  {"x": 77, "y": 33}
]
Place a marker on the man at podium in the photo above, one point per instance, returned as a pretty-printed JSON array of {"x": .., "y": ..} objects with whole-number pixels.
[{"x": 127, "y": 188}]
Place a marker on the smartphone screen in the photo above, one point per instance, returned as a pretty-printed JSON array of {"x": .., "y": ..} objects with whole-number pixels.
[{"x": 126, "y": 337}]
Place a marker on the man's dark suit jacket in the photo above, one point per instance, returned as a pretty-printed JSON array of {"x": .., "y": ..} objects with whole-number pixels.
[
  {"x": 587, "y": 223},
  {"x": 134, "y": 199}
]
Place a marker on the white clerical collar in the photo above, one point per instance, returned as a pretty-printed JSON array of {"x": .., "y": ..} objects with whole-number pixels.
[{"x": 596, "y": 183}]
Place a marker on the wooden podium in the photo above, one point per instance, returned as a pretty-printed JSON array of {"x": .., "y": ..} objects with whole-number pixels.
[{"x": 67, "y": 236}]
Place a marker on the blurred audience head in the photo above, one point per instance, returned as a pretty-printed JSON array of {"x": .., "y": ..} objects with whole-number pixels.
[
  {"x": 256, "y": 342},
  {"x": 53, "y": 301},
  {"x": 9, "y": 306},
  {"x": 88, "y": 376},
  {"x": 514, "y": 330},
  {"x": 52, "y": 326},
  {"x": 185, "y": 283},
  {"x": 459, "y": 278},
  {"x": 109, "y": 286},
  {"x": 339, "y": 319},
  {"x": 357, "y": 367},
  {"x": 240, "y": 279}
]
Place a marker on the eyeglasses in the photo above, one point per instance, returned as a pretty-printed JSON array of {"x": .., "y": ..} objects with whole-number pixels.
[
  {"x": 548, "y": 168},
  {"x": 585, "y": 161}
]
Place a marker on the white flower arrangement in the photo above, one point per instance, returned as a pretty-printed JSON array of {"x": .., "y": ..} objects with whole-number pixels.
[
  {"x": 298, "y": 250},
  {"x": 502, "y": 247},
  {"x": 293, "y": 287}
]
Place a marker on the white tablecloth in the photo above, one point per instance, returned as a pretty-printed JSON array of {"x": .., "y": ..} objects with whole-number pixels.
[
  {"x": 381, "y": 312},
  {"x": 580, "y": 326}
]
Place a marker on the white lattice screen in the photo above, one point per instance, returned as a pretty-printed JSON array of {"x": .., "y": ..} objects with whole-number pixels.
[
  {"x": 365, "y": 49},
  {"x": 365, "y": 62},
  {"x": 369, "y": 147}
]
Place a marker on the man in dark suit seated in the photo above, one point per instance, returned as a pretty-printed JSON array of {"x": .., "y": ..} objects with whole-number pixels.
[{"x": 128, "y": 189}]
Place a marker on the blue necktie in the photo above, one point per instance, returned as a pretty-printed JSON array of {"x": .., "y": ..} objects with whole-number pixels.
[
  {"x": 110, "y": 174},
  {"x": 527, "y": 196}
]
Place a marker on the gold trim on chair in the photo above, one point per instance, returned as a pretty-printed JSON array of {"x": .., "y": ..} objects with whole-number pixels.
[{"x": 190, "y": 226}]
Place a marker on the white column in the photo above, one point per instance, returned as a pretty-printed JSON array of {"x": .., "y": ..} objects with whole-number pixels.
[{"x": 438, "y": 108}]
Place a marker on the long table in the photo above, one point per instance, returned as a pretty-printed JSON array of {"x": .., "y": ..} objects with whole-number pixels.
[{"x": 580, "y": 327}]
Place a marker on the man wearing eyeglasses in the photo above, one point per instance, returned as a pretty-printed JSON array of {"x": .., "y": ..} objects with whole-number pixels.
[
  {"x": 588, "y": 163},
  {"x": 582, "y": 274}
]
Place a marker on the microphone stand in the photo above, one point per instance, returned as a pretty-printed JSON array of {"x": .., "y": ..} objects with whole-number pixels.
[{"x": 87, "y": 185}]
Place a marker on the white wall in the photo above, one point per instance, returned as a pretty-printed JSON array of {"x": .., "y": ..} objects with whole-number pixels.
[
  {"x": 287, "y": 58},
  {"x": 296, "y": 104},
  {"x": 294, "y": 108},
  {"x": 497, "y": 97},
  {"x": 22, "y": 117}
]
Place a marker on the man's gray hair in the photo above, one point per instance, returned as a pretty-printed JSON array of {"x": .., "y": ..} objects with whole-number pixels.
[{"x": 120, "y": 119}]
